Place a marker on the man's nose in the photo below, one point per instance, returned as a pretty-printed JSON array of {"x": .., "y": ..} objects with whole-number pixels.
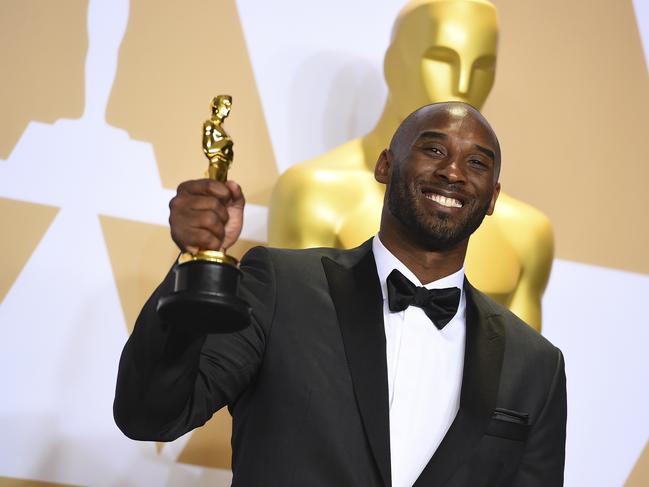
[{"x": 451, "y": 170}]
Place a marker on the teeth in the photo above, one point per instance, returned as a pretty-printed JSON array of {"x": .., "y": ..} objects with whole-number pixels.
[{"x": 443, "y": 200}]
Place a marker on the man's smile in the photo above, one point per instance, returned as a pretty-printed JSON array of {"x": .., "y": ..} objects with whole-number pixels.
[{"x": 443, "y": 200}]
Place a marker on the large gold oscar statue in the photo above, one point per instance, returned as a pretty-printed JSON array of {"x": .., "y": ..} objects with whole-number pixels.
[{"x": 440, "y": 50}]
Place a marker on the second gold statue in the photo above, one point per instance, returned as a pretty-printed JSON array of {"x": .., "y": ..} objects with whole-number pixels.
[{"x": 205, "y": 295}]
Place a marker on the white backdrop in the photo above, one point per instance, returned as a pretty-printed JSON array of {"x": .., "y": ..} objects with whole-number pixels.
[{"x": 318, "y": 89}]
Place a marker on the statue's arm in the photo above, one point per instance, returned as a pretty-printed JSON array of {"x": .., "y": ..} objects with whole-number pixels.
[
  {"x": 299, "y": 216},
  {"x": 207, "y": 136},
  {"x": 534, "y": 243}
]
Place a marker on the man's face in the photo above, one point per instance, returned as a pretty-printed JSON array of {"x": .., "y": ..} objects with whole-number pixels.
[{"x": 443, "y": 178}]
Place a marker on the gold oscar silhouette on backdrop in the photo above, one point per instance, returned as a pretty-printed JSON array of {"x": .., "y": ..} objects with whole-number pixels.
[{"x": 440, "y": 50}]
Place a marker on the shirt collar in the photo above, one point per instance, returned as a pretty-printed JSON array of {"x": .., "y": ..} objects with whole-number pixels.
[{"x": 386, "y": 262}]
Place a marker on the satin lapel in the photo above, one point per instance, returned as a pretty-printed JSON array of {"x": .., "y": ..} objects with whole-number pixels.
[
  {"x": 483, "y": 356},
  {"x": 356, "y": 295}
]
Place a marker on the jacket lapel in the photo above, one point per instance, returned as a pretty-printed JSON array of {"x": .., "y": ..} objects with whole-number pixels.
[
  {"x": 485, "y": 344},
  {"x": 356, "y": 294}
]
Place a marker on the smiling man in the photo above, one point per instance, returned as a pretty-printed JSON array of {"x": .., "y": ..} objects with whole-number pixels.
[
  {"x": 376, "y": 366},
  {"x": 457, "y": 193}
]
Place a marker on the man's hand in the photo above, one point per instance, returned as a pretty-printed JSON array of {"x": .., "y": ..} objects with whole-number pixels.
[{"x": 206, "y": 215}]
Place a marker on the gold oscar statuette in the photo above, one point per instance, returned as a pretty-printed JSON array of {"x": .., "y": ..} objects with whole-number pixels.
[{"x": 205, "y": 288}]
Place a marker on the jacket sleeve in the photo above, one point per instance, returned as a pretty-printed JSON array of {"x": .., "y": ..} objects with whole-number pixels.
[
  {"x": 172, "y": 380},
  {"x": 543, "y": 460}
]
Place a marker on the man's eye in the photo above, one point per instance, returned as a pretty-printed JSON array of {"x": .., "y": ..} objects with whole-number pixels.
[
  {"x": 479, "y": 163},
  {"x": 435, "y": 150}
]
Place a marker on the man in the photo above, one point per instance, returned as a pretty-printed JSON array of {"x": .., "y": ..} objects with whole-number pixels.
[
  {"x": 440, "y": 50},
  {"x": 351, "y": 373}
]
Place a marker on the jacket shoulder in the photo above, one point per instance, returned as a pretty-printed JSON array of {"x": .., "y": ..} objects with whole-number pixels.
[
  {"x": 518, "y": 333},
  {"x": 283, "y": 257}
]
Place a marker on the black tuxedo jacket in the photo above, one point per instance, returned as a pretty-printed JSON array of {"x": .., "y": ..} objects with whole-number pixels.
[{"x": 306, "y": 383}]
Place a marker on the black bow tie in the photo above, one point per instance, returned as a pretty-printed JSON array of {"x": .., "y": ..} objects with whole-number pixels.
[{"x": 440, "y": 305}]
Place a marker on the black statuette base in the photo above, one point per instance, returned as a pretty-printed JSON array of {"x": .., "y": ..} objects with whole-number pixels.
[{"x": 205, "y": 298}]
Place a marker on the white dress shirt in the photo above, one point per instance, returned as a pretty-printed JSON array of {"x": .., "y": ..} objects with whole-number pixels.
[{"x": 424, "y": 372}]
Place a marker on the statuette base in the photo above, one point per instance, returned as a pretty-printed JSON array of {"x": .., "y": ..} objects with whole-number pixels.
[{"x": 205, "y": 296}]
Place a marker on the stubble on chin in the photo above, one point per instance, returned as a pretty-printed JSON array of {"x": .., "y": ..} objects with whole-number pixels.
[{"x": 435, "y": 231}]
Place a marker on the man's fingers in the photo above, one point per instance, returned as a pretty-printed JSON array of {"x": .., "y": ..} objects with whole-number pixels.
[
  {"x": 228, "y": 192},
  {"x": 190, "y": 206},
  {"x": 198, "y": 186},
  {"x": 236, "y": 194},
  {"x": 204, "y": 239},
  {"x": 206, "y": 214},
  {"x": 207, "y": 187},
  {"x": 200, "y": 202},
  {"x": 209, "y": 203},
  {"x": 193, "y": 238},
  {"x": 211, "y": 220}
]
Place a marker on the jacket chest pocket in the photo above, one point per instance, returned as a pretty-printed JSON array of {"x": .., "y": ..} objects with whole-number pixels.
[
  {"x": 501, "y": 449},
  {"x": 508, "y": 424}
]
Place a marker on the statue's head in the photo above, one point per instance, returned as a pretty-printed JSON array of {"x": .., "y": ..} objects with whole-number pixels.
[
  {"x": 221, "y": 106},
  {"x": 442, "y": 50}
]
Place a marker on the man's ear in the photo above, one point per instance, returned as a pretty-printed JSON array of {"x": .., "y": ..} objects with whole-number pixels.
[
  {"x": 492, "y": 205},
  {"x": 382, "y": 167}
]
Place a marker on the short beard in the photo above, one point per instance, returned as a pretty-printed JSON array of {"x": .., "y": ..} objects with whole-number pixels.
[{"x": 433, "y": 231}]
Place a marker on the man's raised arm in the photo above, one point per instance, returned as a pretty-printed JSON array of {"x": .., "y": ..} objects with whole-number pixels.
[{"x": 172, "y": 379}]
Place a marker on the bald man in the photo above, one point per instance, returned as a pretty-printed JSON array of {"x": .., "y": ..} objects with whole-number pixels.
[{"x": 376, "y": 366}]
